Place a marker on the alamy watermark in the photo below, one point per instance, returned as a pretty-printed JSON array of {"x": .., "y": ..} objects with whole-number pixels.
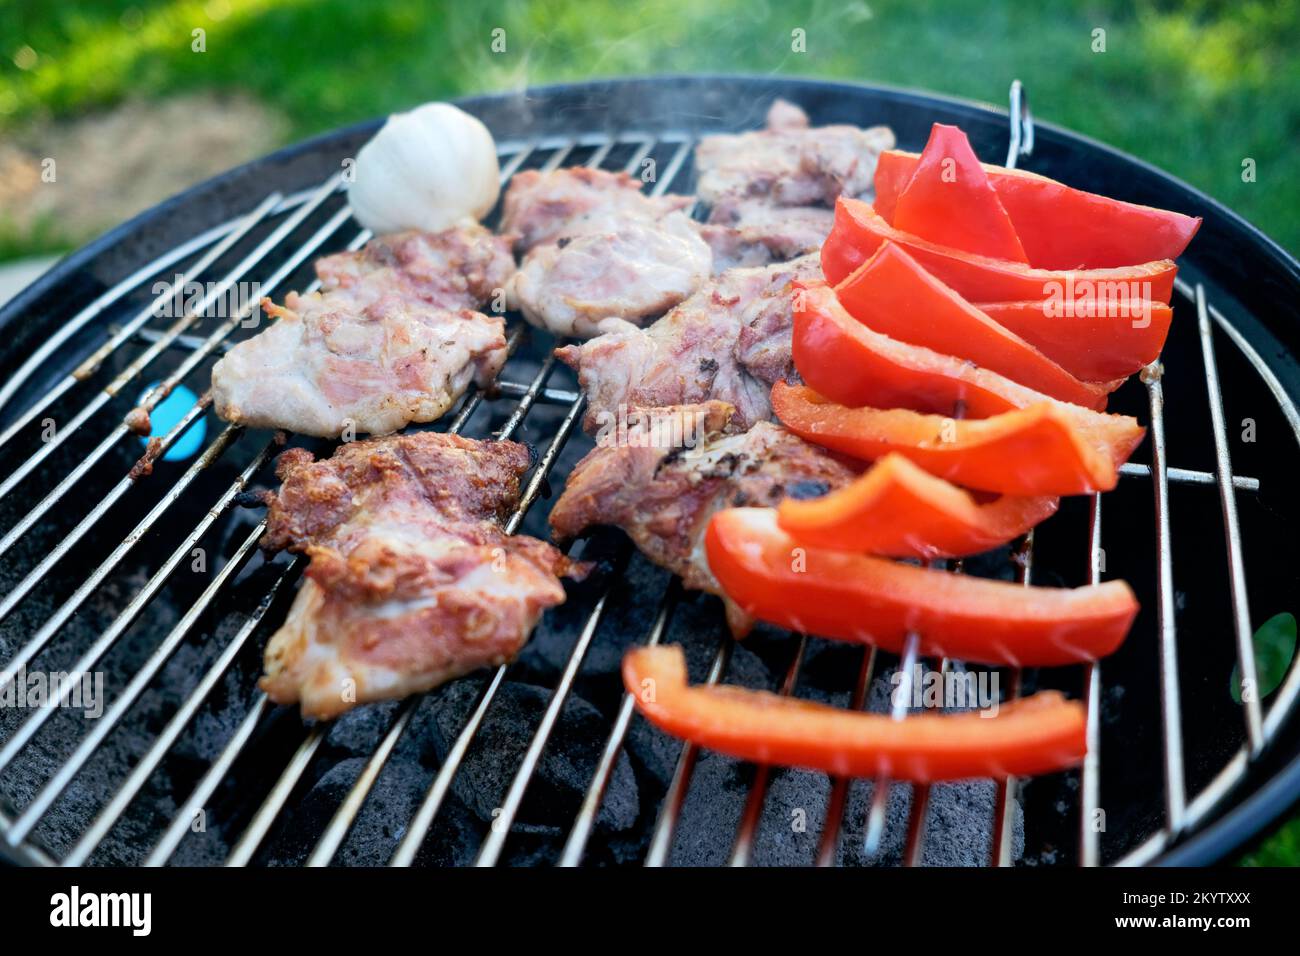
[
  {"x": 76, "y": 690},
  {"x": 1089, "y": 299},
  {"x": 179, "y": 297},
  {"x": 947, "y": 690}
]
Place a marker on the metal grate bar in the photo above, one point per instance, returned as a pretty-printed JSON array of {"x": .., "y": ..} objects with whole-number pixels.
[
  {"x": 121, "y": 429},
  {"x": 208, "y": 785},
  {"x": 490, "y": 852},
  {"x": 753, "y": 812},
  {"x": 180, "y": 720},
  {"x": 432, "y": 802},
  {"x": 96, "y": 359},
  {"x": 1186, "y": 476},
  {"x": 1090, "y": 773},
  {"x": 661, "y": 843},
  {"x": 1171, "y": 710},
  {"x": 145, "y": 359},
  {"x": 1007, "y": 789},
  {"x": 880, "y": 787},
  {"x": 337, "y": 830},
  {"x": 137, "y": 604},
  {"x": 1003, "y": 814},
  {"x": 1232, "y": 530},
  {"x": 87, "y": 747},
  {"x": 1022, "y": 144},
  {"x": 914, "y": 845},
  {"x": 113, "y": 295},
  {"x": 834, "y": 818},
  {"x": 571, "y": 855},
  {"x": 91, "y": 583},
  {"x": 266, "y": 814}
]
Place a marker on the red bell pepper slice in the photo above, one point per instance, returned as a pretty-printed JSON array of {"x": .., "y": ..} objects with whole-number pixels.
[
  {"x": 855, "y": 597},
  {"x": 858, "y": 232},
  {"x": 852, "y": 364},
  {"x": 1060, "y": 227},
  {"x": 1042, "y": 450},
  {"x": 949, "y": 200},
  {"x": 891, "y": 294},
  {"x": 1104, "y": 341},
  {"x": 1042, "y": 733},
  {"x": 899, "y": 510}
]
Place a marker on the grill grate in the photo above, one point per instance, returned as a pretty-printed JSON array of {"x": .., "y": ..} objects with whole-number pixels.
[{"x": 181, "y": 338}]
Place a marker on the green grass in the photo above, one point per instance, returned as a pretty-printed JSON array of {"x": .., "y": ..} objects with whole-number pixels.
[{"x": 1194, "y": 87}]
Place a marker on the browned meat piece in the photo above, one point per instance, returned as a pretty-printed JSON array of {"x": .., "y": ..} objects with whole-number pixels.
[
  {"x": 541, "y": 207},
  {"x": 329, "y": 363},
  {"x": 598, "y": 249},
  {"x": 752, "y": 232},
  {"x": 664, "y": 496},
  {"x": 412, "y": 580},
  {"x": 623, "y": 268},
  {"x": 391, "y": 339},
  {"x": 465, "y": 267},
  {"x": 790, "y": 163},
  {"x": 729, "y": 341}
]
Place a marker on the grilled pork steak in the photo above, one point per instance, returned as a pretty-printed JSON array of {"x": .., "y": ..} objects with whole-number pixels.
[
  {"x": 751, "y": 232},
  {"x": 790, "y": 163},
  {"x": 392, "y": 338},
  {"x": 729, "y": 341},
  {"x": 412, "y": 580},
  {"x": 541, "y": 207},
  {"x": 631, "y": 269},
  {"x": 460, "y": 268},
  {"x": 596, "y": 248},
  {"x": 663, "y": 495}
]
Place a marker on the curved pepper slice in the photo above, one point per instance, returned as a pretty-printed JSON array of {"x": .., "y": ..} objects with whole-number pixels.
[
  {"x": 949, "y": 200},
  {"x": 858, "y": 232},
  {"x": 1095, "y": 344},
  {"x": 850, "y": 363},
  {"x": 899, "y": 510},
  {"x": 855, "y": 597},
  {"x": 1037, "y": 734},
  {"x": 891, "y": 294},
  {"x": 1060, "y": 227},
  {"x": 1041, "y": 450}
]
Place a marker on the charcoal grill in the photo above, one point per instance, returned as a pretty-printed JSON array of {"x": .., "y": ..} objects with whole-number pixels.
[{"x": 102, "y": 561}]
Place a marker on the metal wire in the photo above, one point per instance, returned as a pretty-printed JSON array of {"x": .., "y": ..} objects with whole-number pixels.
[
  {"x": 1090, "y": 772},
  {"x": 1249, "y": 682},
  {"x": 1170, "y": 693},
  {"x": 743, "y": 848}
]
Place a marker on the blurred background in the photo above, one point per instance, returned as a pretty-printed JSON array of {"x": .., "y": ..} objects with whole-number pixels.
[{"x": 134, "y": 101}]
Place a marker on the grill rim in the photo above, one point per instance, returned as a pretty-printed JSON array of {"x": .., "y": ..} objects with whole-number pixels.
[{"x": 1207, "y": 843}]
